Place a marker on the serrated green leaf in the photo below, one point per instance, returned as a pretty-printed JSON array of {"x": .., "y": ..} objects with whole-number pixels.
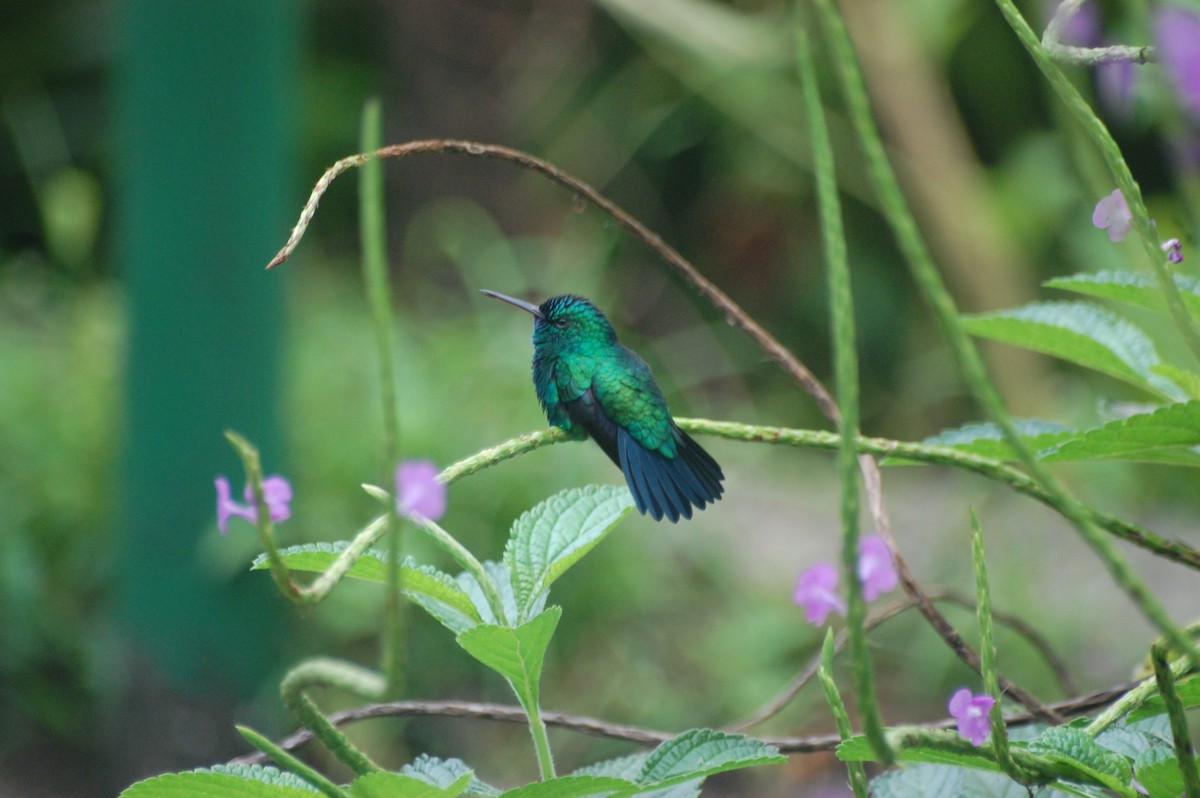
[
  {"x": 1080, "y": 333},
  {"x": 1131, "y": 287},
  {"x": 500, "y": 577},
  {"x": 919, "y": 781},
  {"x": 1078, "y": 750},
  {"x": 1126, "y": 742},
  {"x": 435, "y": 591},
  {"x": 207, "y": 784},
  {"x": 573, "y": 786},
  {"x": 987, "y": 440},
  {"x": 630, "y": 767},
  {"x": 1158, "y": 771},
  {"x": 396, "y": 785},
  {"x": 702, "y": 752},
  {"x": 445, "y": 772},
  {"x": 1167, "y": 431},
  {"x": 858, "y": 749},
  {"x": 264, "y": 773},
  {"x": 516, "y": 654},
  {"x": 548, "y": 539}
]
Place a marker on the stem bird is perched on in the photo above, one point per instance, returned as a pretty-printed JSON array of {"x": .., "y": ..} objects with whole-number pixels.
[{"x": 587, "y": 381}]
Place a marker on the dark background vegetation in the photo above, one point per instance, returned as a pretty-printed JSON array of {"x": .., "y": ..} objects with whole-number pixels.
[{"x": 152, "y": 158}]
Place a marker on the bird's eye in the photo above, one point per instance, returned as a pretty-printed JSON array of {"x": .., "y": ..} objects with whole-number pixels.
[{"x": 560, "y": 323}]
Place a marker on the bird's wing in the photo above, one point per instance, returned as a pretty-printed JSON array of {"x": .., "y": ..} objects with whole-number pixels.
[{"x": 629, "y": 396}]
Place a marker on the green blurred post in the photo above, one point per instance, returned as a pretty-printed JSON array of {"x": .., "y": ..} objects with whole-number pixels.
[{"x": 203, "y": 130}]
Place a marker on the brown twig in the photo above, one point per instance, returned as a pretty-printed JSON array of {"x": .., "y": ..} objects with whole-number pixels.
[
  {"x": 634, "y": 734},
  {"x": 883, "y": 613}
]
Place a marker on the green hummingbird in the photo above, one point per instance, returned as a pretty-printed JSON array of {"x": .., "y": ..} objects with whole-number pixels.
[{"x": 588, "y": 382}]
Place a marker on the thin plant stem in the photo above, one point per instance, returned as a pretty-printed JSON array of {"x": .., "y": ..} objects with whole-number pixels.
[
  {"x": 1133, "y": 698},
  {"x": 512, "y": 713},
  {"x": 970, "y": 363},
  {"x": 987, "y": 655},
  {"x": 331, "y": 673},
  {"x": 993, "y": 469},
  {"x": 292, "y": 763},
  {"x": 1184, "y": 753},
  {"x": 841, "y": 302},
  {"x": 373, "y": 237},
  {"x": 858, "y": 774},
  {"x": 252, "y": 463},
  {"x": 1098, "y": 133},
  {"x": 466, "y": 559},
  {"x": 541, "y": 741}
]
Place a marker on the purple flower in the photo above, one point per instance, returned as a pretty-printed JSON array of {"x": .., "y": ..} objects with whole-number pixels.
[
  {"x": 418, "y": 489},
  {"x": 972, "y": 714},
  {"x": 1177, "y": 33},
  {"x": 816, "y": 591},
  {"x": 1174, "y": 250},
  {"x": 876, "y": 570},
  {"x": 277, "y": 493},
  {"x": 1112, "y": 214}
]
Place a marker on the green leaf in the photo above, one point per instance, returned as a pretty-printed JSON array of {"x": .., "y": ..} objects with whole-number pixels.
[
  {"x": 1164, "y": 435},
  {"x": 395, "y": 785},
  {"x": 503, "y": 582},
  {"x": 548, "y": 539},
  {"x": 445, "y": 772},
  {"x": 858, "y": 749},
  {"x": 209, "y": 784},
  {"x": 1131, "y": 287},
  {"x": 516, "y": 654},
  {"x": 1080, "y": 333},
  {"x": 630, "y": 767},
  {"x": 1166, "y": 432},
  {"x": 573, "y": 786},
  {"x": 919, "y": 781},
  {"x": 702, "y": 752},
  {"x": 1078, "y": 750},
  {"x": 267, "y": 774},
  {"x": 1158, "y": 771},
  {"x": 430, "y": 588},
  {"x": 986, "y": 439}
]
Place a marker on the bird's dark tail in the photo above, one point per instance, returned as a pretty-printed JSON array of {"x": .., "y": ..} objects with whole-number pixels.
[{"x": 669, "y": 486}]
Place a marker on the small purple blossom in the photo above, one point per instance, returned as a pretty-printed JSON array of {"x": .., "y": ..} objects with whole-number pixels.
[
  {"x": 816, "y": 591},
  {"x": 1174, "y": 250},
  {"x": 277, "y": 494},
  {"x": 1177, "y": 34},
  {"x": 418, "y": 489},
  {"x": 876, "y": 569},
  {"x": 972, "y": 714},
  {"x": 1112, "y": 214}
]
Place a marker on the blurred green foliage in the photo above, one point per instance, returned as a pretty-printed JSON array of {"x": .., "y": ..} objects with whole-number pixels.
[{"x": 687, "y": 114}]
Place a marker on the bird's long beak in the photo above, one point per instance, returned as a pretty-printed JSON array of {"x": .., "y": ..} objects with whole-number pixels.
[{"x": 522, "y": 304}]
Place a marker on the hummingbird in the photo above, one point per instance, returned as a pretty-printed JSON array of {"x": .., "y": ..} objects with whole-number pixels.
[{"x": 590, "y": 384}]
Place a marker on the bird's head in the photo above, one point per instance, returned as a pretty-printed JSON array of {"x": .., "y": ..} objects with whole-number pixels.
[{"x": 564, "y": 322}]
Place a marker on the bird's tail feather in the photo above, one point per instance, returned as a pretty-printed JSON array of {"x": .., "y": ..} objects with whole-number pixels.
[{"x": 669, "y": 486}]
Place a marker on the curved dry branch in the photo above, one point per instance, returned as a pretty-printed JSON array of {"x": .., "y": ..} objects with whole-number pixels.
[{"x": 634, "y": 734}]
